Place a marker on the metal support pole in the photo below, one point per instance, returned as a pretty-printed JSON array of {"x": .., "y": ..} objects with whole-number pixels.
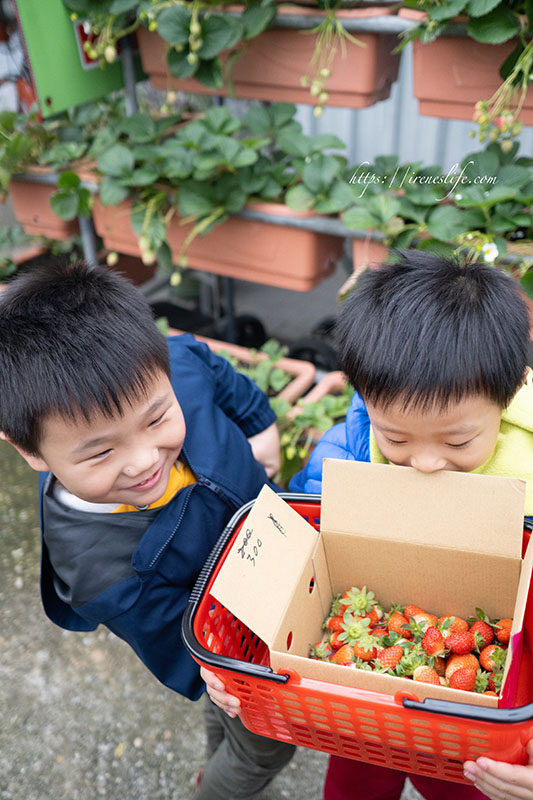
[
  {"x": 88, "y": 241},
  {"x": 128, "y": 73}
]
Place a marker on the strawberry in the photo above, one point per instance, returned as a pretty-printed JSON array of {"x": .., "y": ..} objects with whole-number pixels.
[
  {"x": 483, "y": 633},
  {"x": 364, "y": 651},
  {"x": 334, "y": 640},
  {"x": 321, "y": 651},
  {"x": 492, "y": 658},
  {"x": 356, "y": 629},
  {"x": 373, "y": 616},
  {"x": 451, "y": 623},
  {"x": 463, "y": 678},
  {"x": 456, "y": 662},
  {"x": 344, "y": 655},
  {"x": 390, "y": 656},
  {"x": 433, "y": 641},
  {"x": 334, "y": 624},
  {"x": 425, "y": 674},
  {"x": 439, "y": 665},
  {"x": 503, "y": 630},
  {"x": 424, "y": 619},
  {"x": 397, "y": 622},
  {"x": 460, "y": 642},
  {"x": 410, "y": 611}
]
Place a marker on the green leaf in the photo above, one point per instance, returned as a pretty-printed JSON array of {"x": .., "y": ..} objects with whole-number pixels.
[
  {"x": 526, "y": 282},
  {"x": 65, "y": 204},
  {"x": 117, "y": 161},
  {"x": 513, "y": 175},
  {"x": 178, "y": 66},
  {"x": 257, "y": 120},
  {"x": 244, "y": 158},
  {"x": 435, "y": 246},
  {"x": 299, "y": 198},
  {"x": 195, "y": 199},
  {"x": 282, "y": 114},
  {"x": 340, "y": 197},
  {"x": 173, "y": 24},
  {"x": 144, "y": 176},
  {"x": 326, "y": 140},
  {"x": 447, "y": 10},
  {"x": 120, "y": 6},
  {"x": 477, "y": 8},
  {"x": 68, "y": 180},
  {"x": 164, "y": 257},
  {"x": 257, "y": 18},
  {"x": 139, "y": 127},
  {"x": 360, "y": 219},
  {"x": 496, "y": 27},
  {"x": 447, "y": 222},
  {"x": 219, "y": 32},
  {"x": 295, "y": 144},
  {"x": 111, "y": 193},
  {"x": 210, "y": 74},
  {"x": 319, "y": 174}
]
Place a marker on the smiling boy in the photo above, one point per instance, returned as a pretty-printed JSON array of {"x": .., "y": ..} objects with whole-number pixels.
[{"x": 146, "y": 448}]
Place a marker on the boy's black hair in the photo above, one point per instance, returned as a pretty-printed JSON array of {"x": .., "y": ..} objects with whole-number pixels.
[
  {"x": 73, "y": 340},
  {"x": 427, "y": 330}
]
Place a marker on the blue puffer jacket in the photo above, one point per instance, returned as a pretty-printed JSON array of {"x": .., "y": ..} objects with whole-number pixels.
[
  {"x": 348, "y": 440},
  {"x": 221, "y": 409}
]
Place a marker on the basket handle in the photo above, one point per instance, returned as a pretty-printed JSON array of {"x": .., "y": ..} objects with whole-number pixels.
[{"x": 467, "y": 711}]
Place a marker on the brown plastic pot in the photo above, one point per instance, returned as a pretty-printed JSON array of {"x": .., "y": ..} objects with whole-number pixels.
[
  {"x": 303, "y": 372},
  {"x": 451, "y": 73},
  {"x": 273, "y": 63},
  {"x": 290, "y": 258},
  {"x": 31, "y": 204}
]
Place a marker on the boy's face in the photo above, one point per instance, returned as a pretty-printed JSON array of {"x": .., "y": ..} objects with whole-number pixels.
[
  {"x": 123, "y": 459},
  {"x": 460, "y": 437}
]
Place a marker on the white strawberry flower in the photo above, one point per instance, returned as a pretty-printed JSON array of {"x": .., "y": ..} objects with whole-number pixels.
[{"x": 490, "y": 252}]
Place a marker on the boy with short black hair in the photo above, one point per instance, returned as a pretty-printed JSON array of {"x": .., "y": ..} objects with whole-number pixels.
[
  {"x": 437, "y": 353},
  {"x": 146, "y": 449}
]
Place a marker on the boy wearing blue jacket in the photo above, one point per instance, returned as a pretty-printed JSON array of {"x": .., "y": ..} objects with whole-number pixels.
[
  {"x": 437, "y": 354},
  {"x": 146, "y": 449}
]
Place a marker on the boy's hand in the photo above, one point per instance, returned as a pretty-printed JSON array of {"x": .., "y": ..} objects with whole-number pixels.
[
  {"x": 266, "y": 449},
  {"x": 216, "y": 691},
  {"x": 501, "y": 781}
]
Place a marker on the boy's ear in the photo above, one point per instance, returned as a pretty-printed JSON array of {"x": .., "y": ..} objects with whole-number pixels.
[{"x": 35, "y": 462}]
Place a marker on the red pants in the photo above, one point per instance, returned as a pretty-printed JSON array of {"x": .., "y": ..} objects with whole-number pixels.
[{"x": 348, "y": 779}]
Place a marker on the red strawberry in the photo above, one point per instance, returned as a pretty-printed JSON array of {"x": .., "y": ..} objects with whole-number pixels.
[
  {"x": 334, "y": 624},
  {"x": 451, "y": 623},
  {"x": 492, "y": 657},
  {"x": 425, "y": 674},
  {"x": 456, "y": 662},
  {"x": 365, "y": 653},
  {"x": 460, "y": 642},
  {"x": 334, "y": 640},
  {"x": 390, "y": 656},
  {"x": 397, "y": 623},
  {"x": 410, "y": 611},
  {"x": 503, "y": 630},
  {"x": 345, "y": 655},
  {"x": 483, "y": 633},
  {"x": 439, "y": 665},
  {"x": 433, "y": 641},
  {"x": 374, "y": 616},
  {"x": 463, "y": 678}
]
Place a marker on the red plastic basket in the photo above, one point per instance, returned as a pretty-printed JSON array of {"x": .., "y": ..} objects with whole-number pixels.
[{"x": 431, "y": 738}]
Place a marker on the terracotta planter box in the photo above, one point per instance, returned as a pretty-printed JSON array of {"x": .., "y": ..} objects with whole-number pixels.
[
  {"x": 303, "y": 372},
  {"x": 290, "y": 258},
  {"x": 31, "y": 204},
  {"x": 273, "y": 63},
  {"x": 471, "y": 74}
]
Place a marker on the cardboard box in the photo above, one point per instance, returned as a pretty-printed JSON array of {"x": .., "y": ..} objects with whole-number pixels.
[{"x": 448, "y": 542}]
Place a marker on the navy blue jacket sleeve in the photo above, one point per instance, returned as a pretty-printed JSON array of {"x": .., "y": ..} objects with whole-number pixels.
[{"x": 238, "y": 396}]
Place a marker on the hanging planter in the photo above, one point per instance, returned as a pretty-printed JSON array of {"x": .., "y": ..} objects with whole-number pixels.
[
  {"x": 471, "y": 74},
  {"x": 272, "y": 64},
  {"x": 31, "y": 204},
  {"x": 289, "y": 258}
]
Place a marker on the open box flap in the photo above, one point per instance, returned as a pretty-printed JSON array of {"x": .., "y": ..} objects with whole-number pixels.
[
  {"x": 465, "y": 511},
  {"x": 256, "y": 581},
  {"x": 510, "y": 673}
]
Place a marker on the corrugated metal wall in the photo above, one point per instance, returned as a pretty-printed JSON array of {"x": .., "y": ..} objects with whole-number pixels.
[{"x": 395, "y": 126}]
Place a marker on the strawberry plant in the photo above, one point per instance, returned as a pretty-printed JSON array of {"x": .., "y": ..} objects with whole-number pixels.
[{"x": 408, "y": 642}]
